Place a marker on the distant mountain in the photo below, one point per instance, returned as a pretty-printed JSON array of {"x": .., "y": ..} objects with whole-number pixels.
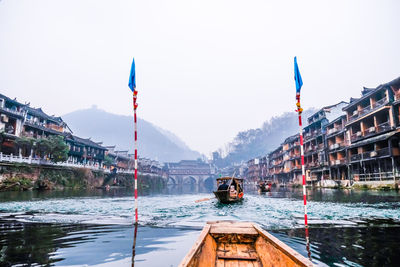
[
  {"x": 112, "y": 129},
  {"x": 258, "y": 142}
]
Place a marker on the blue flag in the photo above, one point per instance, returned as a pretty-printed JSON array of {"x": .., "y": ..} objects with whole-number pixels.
[
  {"x": 297, "y": 76},
  {"x": 132, "y": 77}
]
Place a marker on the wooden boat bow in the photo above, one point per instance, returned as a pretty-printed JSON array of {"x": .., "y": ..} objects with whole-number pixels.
[{"x": 229, "y": 243}]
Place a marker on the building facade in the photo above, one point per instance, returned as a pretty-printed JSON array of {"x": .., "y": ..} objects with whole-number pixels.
[{"x": 356, "y": 141}]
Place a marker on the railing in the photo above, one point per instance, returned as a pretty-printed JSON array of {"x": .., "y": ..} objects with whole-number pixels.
[
  {"x": 355, "y": 157},
  {"x": 367, "y": 109},
  {"x": 371, "y": 154},
  {"x": 380, "y": 103},
  {"x": 383, "y": 127},
  {"x": 309, "y": 148},
  {"x": 338, "y": 162},
  {"x": 294, "y": 155},
  {"x": 12, "y": 111},
  {"x": 364, "y": 110},
  {"x": 334, "y": 130},
  {"x": 356, "y": 136},
  {"x": 397, "y": 95},
  {"x": 369, "y": 131},
  {"x": 382, "y": 152},
  {"x": 29, "y": 160},
  {"x": 380, "y": 176}
]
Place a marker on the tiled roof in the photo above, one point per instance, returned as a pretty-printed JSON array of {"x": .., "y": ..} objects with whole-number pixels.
[
  {"x": 11, "y": 100},
  {"x": 40, "y": 113},
  {"x": 85, "y": 141}
]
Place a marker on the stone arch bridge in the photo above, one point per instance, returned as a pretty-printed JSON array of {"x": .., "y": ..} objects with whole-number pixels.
[{"x": 190, "y": 172}]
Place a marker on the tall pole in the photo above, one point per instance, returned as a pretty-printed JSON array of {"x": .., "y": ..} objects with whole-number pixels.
[
  {"x": 303, "y": 172},
  {"x": 136, "y": 155}
]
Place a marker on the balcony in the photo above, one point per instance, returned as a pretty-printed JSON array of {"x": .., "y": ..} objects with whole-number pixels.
[
  {"x": 337, "y": 145},
  {"x": 381, "y": 176},
  {"x": 294, "y": 155},
  {"x": 338, "y": 162},
  {"x": 371, "y": 154},
  {"x": 13, "y": 111},
  {"x": 380, "y": 103},
  {"x": 397, "y": 95},
  {"x": 383, "y": 127},
  {"x": 365, "y": 110},
  {"x": 369, "y": 131},
  {"x": 334, "y": 130},
  {"x": 310, "y": 148}
]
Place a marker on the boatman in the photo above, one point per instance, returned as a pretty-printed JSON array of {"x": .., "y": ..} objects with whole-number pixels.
[{"x": 223, "y": 186}]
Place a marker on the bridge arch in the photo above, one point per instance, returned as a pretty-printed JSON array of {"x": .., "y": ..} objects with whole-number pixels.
[
  {"x": 209, "y": 182},
  {"x": 190, "y": 180},
  {"x": 171, "y": 180}
]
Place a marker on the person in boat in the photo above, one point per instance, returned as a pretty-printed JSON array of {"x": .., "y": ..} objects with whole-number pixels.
[
  {"x": 223, "y": 186},
  {"x": 233, "y": 191}
]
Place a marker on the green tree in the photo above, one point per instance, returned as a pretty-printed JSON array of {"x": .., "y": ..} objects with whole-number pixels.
[
  {"x": 108, "y": 161},
  {"x": 59, "y": 149},
  {"x": 44, "y": 147}
]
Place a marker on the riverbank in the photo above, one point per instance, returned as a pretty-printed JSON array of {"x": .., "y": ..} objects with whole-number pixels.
[{"x": 21, "y": 176}]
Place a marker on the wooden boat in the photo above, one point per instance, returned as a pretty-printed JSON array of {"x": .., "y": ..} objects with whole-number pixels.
[
  {"x": 232, "y": 192},
  {"x": 228, "y": 243},
  {"x": 264, "y": 186}
]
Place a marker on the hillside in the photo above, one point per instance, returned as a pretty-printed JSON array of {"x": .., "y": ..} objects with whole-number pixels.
[
  {"x": 112, "y": 129},
  {"x": 258, "y": 142}
]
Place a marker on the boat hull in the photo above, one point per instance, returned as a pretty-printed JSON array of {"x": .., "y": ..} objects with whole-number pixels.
[
  {"x": 226, "y": 198},
  {"x": 228, "y": 243}
]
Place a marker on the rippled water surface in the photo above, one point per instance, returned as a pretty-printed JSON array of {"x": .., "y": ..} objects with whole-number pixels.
[{"x": 355, "y": 228}]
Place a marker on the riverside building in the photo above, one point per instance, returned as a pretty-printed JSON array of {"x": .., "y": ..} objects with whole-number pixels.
[{"x": 346, "y": 142}]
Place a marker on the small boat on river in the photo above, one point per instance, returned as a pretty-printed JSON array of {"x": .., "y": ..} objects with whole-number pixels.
[
  {"x": 229, "y": 189},
  {"x": 229, "y": 243},
  {"x": 264, "y": 186}
]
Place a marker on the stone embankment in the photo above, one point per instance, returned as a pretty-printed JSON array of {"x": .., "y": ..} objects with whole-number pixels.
[
  {"x": 17, "y": 176},
  {"x": 379, "y": 185}
]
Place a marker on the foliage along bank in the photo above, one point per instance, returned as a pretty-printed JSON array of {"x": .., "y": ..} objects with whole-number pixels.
[{"x": 39, "y": 177}]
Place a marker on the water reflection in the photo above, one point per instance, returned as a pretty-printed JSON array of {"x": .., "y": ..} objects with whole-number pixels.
[{"x": 134, "y": 243}]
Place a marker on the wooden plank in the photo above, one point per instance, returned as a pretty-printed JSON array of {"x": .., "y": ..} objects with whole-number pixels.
[
  {"x": 233, "y": 230},
  {"x": 231, "y": 223},
  {"x": 231, "y": 263},
  {"x": 195, "y": 248},
  {"x": 247, "y": 250},
  {"x": 207, "y": 254},
  {"x": 220, "y": 263},
  {"x": 274, "y": 252},
  {"x": 248, "y": 264},
  {"x": 237, "y": 257}
]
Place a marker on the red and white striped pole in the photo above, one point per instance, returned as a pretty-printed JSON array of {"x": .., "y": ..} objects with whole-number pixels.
[
  {"x": 136, "y": 155},
  {"x": 303, "y": 171}
]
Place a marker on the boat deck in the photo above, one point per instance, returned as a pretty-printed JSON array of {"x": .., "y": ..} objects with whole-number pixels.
[{"x": 235, "y": 244}]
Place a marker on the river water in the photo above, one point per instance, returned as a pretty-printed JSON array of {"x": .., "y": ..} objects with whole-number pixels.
[{"x": 94, "y": 228}]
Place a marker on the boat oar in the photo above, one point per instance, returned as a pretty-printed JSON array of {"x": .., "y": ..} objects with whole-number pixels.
[{"x": 204, "y": 199}]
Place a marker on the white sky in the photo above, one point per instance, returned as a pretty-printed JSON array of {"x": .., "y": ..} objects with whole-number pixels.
[{"x": 206, "y": 69}]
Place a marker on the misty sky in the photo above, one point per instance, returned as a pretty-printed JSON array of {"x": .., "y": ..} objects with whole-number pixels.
[{"x": 206, "y": 69}]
